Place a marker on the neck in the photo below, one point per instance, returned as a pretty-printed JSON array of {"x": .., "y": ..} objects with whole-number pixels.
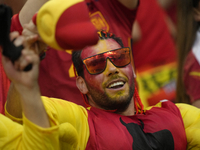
[{"x": 129, "y": 111}]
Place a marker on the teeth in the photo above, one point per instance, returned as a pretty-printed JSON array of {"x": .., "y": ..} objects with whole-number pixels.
[{"x": 116, "y": 84}]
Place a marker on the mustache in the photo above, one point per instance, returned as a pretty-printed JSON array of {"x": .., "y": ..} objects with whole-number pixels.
[{"x": 115, "y": 77}]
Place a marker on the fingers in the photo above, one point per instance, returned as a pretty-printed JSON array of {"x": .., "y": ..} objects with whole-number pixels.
[
  {"x": 27, "y": 57},
  {"x": 31, "y": 27},
  {"x": 19, "y": 41},
  {"x": 13, "y": 35},
  {"x": 30, "y": 40}
]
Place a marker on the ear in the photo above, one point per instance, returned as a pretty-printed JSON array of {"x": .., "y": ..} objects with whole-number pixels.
[
  {"x": 197, "y": 13},
  {"x": 80, "y": 83}
]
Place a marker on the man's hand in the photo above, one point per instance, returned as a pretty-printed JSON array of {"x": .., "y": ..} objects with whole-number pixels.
[
  {"x": 30, "y": 30},
  {"x": 15, "y": 72},
  {"x": 26, "y": 82}
]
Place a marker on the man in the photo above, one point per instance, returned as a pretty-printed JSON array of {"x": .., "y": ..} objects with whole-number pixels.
[{"x": 106, "y": 78}]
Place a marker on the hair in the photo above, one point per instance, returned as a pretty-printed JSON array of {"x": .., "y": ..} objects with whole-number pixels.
[
  {"x": 187, "y": 28},
  {"x": 76, "y": 55}
]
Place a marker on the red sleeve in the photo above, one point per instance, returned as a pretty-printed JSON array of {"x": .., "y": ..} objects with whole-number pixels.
[
  {"x": 118, "y": 11},
  {"x": 4, "y": 86},
  {"x": 191, "y": 77},
  {"x": 15, "y": 24}
]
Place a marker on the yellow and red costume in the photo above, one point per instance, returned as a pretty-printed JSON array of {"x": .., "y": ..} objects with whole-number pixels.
[{"x": 163, "y": 126}]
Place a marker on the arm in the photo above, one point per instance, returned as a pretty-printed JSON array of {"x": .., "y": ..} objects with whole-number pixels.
[
  {"x": 29, "y": 9},
  {"x": 136, "y": 32},
  {"x": 191, "y": 120},
  {"x": 131, "y": 4},
  {"x": 196, "y": 103},
  {"x": 25, "y": 83}
]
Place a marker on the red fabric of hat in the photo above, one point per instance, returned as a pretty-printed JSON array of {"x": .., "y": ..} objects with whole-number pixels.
[{"x": 74, "y": 30}]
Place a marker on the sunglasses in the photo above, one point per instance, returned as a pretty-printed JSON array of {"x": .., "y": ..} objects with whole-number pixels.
[{"x": 97, "y": 64}]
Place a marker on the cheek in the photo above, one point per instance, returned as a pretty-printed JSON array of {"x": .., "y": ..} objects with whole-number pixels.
[
  {"x": 94, "y": 81},
  {"x": 129, "y": 73}
]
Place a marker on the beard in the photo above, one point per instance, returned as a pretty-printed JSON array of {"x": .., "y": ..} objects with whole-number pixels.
[{"x": 104, "y": 101}]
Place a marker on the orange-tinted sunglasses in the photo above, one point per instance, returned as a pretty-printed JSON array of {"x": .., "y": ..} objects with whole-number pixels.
[{"x": 96, "y": 64}]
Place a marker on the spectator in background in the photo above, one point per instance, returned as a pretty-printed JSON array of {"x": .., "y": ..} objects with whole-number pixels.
[
  {"x": 188, "y": 41},
  {"x": 154, "y": 53}
]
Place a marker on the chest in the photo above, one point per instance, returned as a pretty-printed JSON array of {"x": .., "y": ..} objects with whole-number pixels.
[{"x": 149, "y": 131}]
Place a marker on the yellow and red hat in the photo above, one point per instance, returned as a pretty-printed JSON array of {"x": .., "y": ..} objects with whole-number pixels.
[{"x": 66, "y": 25}]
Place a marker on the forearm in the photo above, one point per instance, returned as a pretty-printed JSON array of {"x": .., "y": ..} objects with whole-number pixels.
[
  {"x": 29, "y": 9},
  {"x": 13, "y": 104},
  {"x": 33, "y": 107},
  {"x": 30, "y": 103}
]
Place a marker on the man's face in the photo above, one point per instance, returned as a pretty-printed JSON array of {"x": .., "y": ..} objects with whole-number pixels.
[{"x": 113, "y": 88}]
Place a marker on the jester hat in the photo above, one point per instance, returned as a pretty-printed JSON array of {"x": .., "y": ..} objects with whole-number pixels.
[{"x": 66, "y": 25}]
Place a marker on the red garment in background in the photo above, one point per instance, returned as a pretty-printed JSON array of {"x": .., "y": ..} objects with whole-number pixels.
[
  {"x": 56, "y": 78},
  {"x": 172, "y": 11},
  {"x": 4, "y": 86},
  {"x": 154, "y": 55},
  {"x": 192, "y": 77},
  {"x": 156, "y": 45}
]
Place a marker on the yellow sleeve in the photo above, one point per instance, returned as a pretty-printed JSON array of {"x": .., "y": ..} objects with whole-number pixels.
[
  {"x": 18, "y": 120},
  {"x": 191, "y": 120},
  {"x": 27, "y": 136},
  {"x": 73, "y": 120}
]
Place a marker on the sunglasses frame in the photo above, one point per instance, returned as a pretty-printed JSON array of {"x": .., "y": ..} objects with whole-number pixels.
[{"x": 106, "y": 60}]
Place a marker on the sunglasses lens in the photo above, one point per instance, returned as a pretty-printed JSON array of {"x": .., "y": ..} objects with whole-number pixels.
[
  {"x": 95, "y": 64},
  {"x": 121, "y": 57}
]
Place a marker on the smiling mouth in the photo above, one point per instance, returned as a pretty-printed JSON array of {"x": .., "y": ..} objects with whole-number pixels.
[{"x": 116, "y": 85}]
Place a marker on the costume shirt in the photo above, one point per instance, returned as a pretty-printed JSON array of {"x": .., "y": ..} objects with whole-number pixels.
[
  {"x": 56, "y": 78},
  {"x": 160, "y": 127},
  {"x": 191, "y": 76}
]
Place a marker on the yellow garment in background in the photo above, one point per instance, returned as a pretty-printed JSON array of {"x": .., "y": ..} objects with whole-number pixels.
[{"x": 156, "y": 83}]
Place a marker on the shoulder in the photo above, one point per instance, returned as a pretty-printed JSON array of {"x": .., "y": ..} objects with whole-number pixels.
[{"x": 167, "y": 106}]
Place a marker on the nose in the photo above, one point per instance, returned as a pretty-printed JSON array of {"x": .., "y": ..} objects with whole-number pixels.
[{"x": 110, "y": 68}]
